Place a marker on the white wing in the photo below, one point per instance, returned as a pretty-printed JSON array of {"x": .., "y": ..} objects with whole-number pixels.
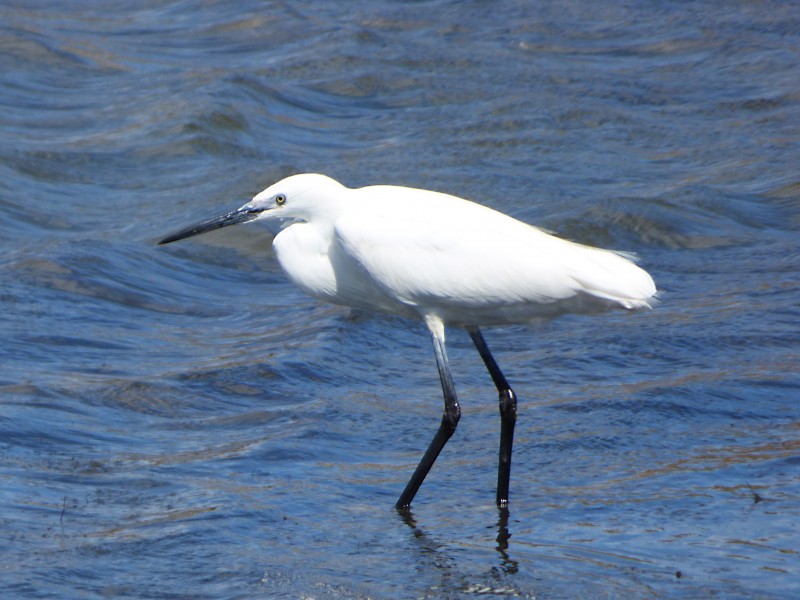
[{"x": 451, "y": 254}]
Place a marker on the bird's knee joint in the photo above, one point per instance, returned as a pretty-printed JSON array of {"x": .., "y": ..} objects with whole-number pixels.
[
  {"x": 508, "y": 403},
  {"x": 450, "y": 418}
]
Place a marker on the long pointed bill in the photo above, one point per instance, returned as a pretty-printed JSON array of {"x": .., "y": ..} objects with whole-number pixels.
[{"x": 242, "y": 215}]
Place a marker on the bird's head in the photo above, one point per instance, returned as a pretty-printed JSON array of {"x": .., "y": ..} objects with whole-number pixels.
[{"x": 299, "y": 197}]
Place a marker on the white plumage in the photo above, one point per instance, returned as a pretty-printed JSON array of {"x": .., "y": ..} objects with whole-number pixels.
[
  {"x": 417, "y": 252},
  {"x": 439, "y": 258}
]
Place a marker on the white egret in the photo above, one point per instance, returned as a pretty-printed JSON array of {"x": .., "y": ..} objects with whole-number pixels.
[{"x": 441, "y": 259}]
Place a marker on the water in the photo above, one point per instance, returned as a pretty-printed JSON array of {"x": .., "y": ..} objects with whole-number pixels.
[{"x": 182, "y": 423}]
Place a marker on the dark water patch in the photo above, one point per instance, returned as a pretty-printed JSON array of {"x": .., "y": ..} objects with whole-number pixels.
[{"x": 72, "y": 342}]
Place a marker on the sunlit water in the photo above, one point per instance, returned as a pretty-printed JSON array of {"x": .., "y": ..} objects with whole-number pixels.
[{"x": 181, "y": 422}]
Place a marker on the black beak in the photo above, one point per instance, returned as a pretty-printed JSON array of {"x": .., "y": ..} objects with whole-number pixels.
[{"x": 242, "y": 215}]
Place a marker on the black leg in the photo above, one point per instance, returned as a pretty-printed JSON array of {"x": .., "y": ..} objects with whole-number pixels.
[
  {"x": 452, "y": 413},
  {"x": 508, "y": 414}
]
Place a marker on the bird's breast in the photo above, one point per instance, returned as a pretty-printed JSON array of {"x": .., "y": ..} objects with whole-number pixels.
[
  {"x": 303, "y": 255},
  {"x": 315, "y": 263}
]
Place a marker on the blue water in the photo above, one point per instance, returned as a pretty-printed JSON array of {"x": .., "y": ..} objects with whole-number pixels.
[{"x": 180, "y": 422}]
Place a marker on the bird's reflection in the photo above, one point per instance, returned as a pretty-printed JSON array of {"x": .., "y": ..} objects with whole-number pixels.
[
  {"x": 507, "y": 564},
  {"x": 431, "y": 548}
]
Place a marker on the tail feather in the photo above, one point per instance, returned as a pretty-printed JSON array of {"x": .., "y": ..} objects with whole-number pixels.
[{"x": 615, "y": 277}]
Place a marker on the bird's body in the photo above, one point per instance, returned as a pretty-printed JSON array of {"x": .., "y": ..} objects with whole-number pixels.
[
  {"x": 436, "y": 257},
  {"x": 418, "y": 253}
]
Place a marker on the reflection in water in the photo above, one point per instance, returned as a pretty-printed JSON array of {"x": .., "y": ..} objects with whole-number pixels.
[
  {"x": 507, "y": 564},
  {"x": 442, "y": 557}
]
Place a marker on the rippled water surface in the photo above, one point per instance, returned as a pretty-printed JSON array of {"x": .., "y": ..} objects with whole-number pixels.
[{"x": 181, "y": 422}]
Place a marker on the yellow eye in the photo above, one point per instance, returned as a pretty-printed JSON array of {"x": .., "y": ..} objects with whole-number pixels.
[{"x": 280, "y": 199}]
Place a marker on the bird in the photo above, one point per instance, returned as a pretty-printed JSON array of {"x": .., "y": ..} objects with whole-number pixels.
[{"x": 441, "y": 259}]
